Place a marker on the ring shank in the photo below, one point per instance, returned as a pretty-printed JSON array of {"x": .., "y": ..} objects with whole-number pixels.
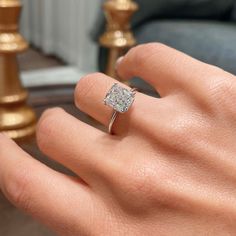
[{"x": 113, "y": 118}]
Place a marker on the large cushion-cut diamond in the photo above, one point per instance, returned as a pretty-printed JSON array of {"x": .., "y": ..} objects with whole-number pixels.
[{"x": 119, "y": 98}]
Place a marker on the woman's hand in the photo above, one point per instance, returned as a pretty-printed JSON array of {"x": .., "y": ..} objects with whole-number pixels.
[{"x": 170, "y": 168}]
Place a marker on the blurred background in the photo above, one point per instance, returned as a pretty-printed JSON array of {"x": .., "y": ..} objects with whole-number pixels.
[
  {"x": 70, "y": 30},
  {"x": 60, "y": 34},
  {"x": 68, "y": 39}
]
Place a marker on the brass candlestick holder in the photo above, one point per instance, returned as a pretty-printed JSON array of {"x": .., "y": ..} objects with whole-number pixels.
[
  {"x": 118, "y": 37},
  {"x": 16, "y": 118}
]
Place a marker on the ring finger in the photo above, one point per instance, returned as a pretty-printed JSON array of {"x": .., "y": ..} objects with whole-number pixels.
[{"x": 89, "y": 97}]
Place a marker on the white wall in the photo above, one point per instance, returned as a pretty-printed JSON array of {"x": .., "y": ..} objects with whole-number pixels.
[{"x": 63, "y": 27}]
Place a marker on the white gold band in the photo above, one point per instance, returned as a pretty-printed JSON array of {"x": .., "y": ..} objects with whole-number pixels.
[{"x": 113, "y": 118}]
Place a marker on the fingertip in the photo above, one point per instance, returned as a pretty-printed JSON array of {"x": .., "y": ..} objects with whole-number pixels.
[
  {"x": 4, "y": 137},
  {"x": 118, "y": 62},
  {"x": 49, "y": 112},
  {"x": 3, "y": 134}
]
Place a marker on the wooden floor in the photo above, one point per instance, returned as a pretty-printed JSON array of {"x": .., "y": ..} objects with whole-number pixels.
[{"x": 34, "y": 59}]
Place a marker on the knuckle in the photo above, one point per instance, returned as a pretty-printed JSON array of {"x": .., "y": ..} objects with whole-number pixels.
[
  {"x": 140, "y": 181},
  {"x": 178, "y": 132},
  {"x": 52, "y": 112},
  {"x": 142, "y": 53},
  {"x": 149, "y": 47},
  {"x": 157, "y": 47},
  {"x": 223, "y": 94},
  {"x": 146, "y": 185},
  {"x": 85, "y": 86},
  {"x": 17, "y": 188},
  {"x": 46, "y": 126},
  {"x": 181, "y": 132},
  {"x": 215, "y": 70}
]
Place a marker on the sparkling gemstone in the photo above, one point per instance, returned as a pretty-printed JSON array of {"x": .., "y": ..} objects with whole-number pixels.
[{"x": 119, "y": 98}]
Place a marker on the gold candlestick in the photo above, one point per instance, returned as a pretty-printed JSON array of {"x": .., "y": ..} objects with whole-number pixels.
[
  {"x": 16, "y": 118},
  {"x": 118, "y": 37}
]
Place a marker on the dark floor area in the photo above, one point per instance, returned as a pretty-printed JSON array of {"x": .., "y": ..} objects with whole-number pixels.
[{"x": 34, "y": 59}]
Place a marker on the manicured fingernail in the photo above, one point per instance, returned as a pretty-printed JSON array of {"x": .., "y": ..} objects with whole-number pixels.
[{"x": 119, "y": 60}]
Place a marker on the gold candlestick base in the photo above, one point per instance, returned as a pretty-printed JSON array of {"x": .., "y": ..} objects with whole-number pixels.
[
  {"x": 17, "y": 122},
  {"x": 16, "y": 118},
  {"x": 118, "y": 37}
]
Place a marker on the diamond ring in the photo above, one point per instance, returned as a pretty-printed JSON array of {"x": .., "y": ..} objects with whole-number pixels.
[{"x": 120, "y": 99}]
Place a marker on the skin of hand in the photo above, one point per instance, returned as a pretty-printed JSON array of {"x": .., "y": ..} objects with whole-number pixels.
[{"x": 169, "y": 169}]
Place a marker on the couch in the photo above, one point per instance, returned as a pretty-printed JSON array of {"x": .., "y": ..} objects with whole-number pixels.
[{"x": 204, "y": 29}]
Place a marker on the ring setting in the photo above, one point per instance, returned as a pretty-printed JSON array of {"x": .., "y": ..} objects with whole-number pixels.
[{"x": 120, "y": 99}]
